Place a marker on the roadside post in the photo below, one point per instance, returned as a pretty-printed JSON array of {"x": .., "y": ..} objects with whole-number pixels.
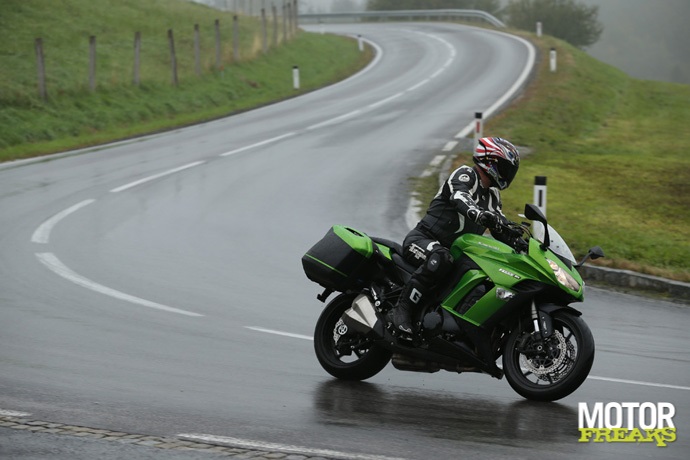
[
  {"x": 540, "y": 193},
  {"x": 295, "y": 77},
  {"x": 478, "y": 128}
]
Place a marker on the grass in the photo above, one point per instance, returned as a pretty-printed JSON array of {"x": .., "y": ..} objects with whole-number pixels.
[
  {"x": 615, "y": 152},
  {"x": 73, "y": 116}
]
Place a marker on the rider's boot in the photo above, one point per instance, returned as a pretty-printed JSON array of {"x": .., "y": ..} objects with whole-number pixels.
[{"x": 401, "y": 313}]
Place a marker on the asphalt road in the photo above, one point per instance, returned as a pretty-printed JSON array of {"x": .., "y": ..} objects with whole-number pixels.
[{"x": 155, "y": 287}]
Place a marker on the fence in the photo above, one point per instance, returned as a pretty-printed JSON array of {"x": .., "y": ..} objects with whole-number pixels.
[
  {"x": 410, "y": 15},
  {"x": 274, "y": 27}
]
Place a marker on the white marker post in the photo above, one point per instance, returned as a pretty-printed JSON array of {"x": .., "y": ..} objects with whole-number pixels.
[
  {"x": 539, "y": 29},
  {"x": 540, "y": 193},
  {"x": 478, "y": 128},
  {"x": 552, "y": 59},
  {"x": 295, "y": 77},
  {"x": 360, "y": 43}
]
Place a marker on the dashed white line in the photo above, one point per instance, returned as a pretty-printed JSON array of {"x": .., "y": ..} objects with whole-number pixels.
[
  {"x": 286, "y": 334},
  {"x": 384, "y": 101},
  {"x": 55, "y": 265},
  {"x": 42, "y": 233},
  {"x": 276, "y": 447},
  {"x": 258, "y": 144},
  {"x": 450, "y": 145},
  {"x": 156, "y": 176},
  {"x": 335, "y": 120}
]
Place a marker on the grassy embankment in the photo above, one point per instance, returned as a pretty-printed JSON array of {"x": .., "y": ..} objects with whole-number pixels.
[
  {"x": 73, "y": 116},
  {"x": 615, "y": 152}
]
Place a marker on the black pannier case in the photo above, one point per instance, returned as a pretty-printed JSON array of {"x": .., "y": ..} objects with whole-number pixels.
[{"x": 340, "y": 260}]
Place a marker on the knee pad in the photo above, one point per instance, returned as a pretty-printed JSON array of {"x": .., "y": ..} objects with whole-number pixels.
[{"x": 439, "y": 262}]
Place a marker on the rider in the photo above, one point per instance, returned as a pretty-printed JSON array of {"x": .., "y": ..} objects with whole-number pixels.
[{"x": 468, "y": 202}]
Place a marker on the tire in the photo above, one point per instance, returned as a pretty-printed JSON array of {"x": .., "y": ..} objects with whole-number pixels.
[
  {"x": 553, "y": 374},
  {"x": 345, "y": 354}
]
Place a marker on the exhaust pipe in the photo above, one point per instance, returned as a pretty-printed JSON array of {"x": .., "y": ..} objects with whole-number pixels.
[{"x": 361, "y": 317}]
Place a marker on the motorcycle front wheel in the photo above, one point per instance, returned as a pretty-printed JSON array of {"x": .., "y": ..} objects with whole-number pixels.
[
  {"x": 551, "y": 369},
  {"x": 342, "y": 352}
]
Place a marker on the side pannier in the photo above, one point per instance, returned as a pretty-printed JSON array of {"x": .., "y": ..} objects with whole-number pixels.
[{"x": 340, "y": 260}]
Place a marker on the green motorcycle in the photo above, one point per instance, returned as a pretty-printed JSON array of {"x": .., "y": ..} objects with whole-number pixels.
[{"x": 498, "y": 301}]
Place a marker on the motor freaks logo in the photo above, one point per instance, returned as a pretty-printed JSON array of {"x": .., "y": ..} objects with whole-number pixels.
[{"x": 627, "y": 422}]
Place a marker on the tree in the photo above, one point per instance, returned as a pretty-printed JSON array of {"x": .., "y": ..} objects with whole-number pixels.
[
  {"x": 490, "y": 6},
  {"x": 573, "y": 22}
]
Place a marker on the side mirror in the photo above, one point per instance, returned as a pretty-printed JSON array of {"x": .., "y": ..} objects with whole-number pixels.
[
  {"x": 594, "y": 253},
  {"x": 534, "y": 213}
]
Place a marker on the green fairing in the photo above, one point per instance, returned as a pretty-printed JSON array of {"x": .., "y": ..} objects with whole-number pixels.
[
  {"x": 385, "y": 250},
  {"x": 506, "y": 268},
  {"x": 356, "y": 240}
]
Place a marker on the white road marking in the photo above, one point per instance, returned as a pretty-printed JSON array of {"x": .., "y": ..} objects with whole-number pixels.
[
  {"x": 258, "y": 144},
  {"x": 42, "y": 233},
  {"x": 54, "y": 264},
  {"x": 275, "y": 447},
  {"x": 591, "y": 377},
  {"x": 437, "y": 160},
  {"x": 286, "y": 334},
  {"x": 384, "y": 101},
  {"x": 335, "y": 120},
  {"x": 450, "y": 146},
  {"x": 636, "y": 382},
  {"x": 11, "y": 413},
  {"x": 156, "y": 176},
  {"x": 418, "y": 85}
]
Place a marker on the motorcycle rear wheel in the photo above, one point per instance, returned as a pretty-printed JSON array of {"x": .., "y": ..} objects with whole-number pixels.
[
  {"x": 344, "y": 353},
  {"x": 548, "y": 375}
]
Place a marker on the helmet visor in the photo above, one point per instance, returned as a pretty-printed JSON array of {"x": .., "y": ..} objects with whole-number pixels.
[{"x": 507, "y": 171}]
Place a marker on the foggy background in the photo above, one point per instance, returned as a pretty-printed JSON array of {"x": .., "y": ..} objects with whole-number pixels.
[{"x": 648, "y": 39}]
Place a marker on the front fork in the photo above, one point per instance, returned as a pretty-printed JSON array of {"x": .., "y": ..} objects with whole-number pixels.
[{"x": 543, "y": 325}]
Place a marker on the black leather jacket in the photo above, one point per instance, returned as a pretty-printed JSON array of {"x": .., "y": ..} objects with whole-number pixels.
[{"x": 447, "y": 218}]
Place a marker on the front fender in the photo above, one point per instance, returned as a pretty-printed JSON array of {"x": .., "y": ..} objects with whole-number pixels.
[{"x": 551, "y": 308}]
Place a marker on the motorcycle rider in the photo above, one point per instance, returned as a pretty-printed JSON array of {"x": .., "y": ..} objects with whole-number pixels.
[{"x": 468, "y": 202}]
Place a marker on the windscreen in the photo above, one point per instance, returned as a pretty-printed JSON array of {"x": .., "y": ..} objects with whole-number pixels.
[{"x": 557, "y": 244}]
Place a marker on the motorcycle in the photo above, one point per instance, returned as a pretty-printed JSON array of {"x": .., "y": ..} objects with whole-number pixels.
[{"x": 498, "y": 302}]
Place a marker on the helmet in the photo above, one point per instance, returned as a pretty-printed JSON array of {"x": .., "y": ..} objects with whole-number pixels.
[{"x": 499, "y": 159}]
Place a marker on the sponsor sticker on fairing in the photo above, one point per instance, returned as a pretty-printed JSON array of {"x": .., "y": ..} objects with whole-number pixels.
[{"x": 627, "y": 422}]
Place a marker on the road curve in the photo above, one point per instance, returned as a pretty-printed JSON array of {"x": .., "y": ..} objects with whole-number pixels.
[{"x": 155, "y": 286}]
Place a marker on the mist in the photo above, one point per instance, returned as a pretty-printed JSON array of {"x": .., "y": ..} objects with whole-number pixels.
[{"x": 648, "y": 39}]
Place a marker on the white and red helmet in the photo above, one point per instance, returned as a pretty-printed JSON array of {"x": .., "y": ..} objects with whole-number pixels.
[{"x": 499, "y": 159}]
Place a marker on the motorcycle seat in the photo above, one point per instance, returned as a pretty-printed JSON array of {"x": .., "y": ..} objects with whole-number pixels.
[{"x": 396, "y": 247}]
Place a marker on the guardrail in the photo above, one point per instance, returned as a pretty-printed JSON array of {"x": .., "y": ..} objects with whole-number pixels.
[{"x": 448, "y": 14}]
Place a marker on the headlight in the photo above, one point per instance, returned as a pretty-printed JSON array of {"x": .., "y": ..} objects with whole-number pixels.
[{"x": 563, "y": 276}]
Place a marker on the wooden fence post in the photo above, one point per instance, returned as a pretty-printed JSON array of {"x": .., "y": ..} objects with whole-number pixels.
[
  {"x": 137, "y": 55},
  {"x": 235, "y": 39},
  {"x": 92, "y": 63},
  {"x": 197, "y": 51},
  {"x": 173, "y": 59},
  {"x": 264, "y": 32},
  {"x": 284, "y": 24},
  {"x": 275, "y": 26},
  {"x": 289, "y": 18},
  {"x": 41, "y": 69},
  {"x": 295, "y": 24},
  {"x": 217, "y": 26}
]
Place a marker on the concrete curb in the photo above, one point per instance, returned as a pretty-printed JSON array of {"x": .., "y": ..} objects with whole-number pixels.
[{"x": 629, "y": 279}]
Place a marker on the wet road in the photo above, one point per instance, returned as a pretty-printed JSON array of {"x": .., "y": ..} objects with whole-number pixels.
[{"x": 155, "y": 286}]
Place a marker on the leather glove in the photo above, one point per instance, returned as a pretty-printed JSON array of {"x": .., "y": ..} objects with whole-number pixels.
[{"x": 487, "y": 219}]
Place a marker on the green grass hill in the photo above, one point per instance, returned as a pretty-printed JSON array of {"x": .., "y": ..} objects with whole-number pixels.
[
  {"x": 74, "y": 116},
  {"x": 615, "y": 153}
]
